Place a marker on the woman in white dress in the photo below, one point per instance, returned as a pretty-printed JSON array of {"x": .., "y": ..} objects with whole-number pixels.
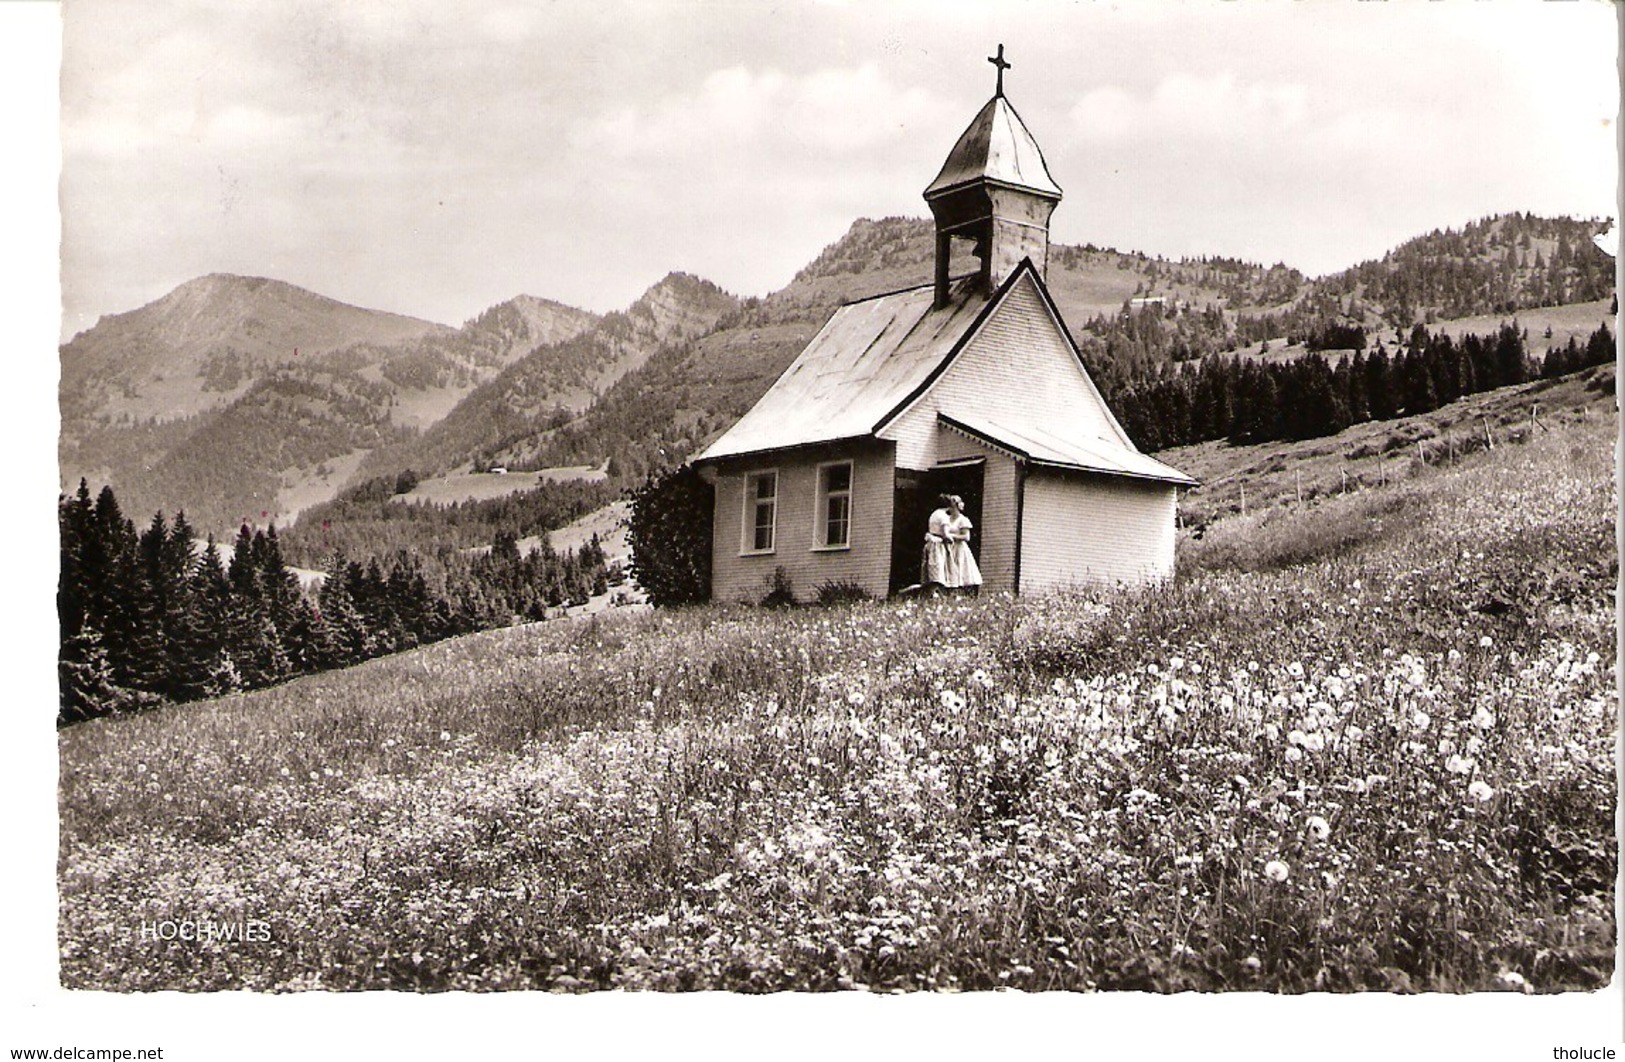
[
  {"x": 934, "y": 560},
  {"x": 961, "y": 571}
]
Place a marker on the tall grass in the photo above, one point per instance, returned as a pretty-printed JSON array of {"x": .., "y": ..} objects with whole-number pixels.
[{"x": 1364, "y": 746}]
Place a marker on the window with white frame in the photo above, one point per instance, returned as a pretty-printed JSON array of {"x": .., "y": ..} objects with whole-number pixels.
[
  {"x": 761, "y": 512},
  {"x": 835, "y": 505}
]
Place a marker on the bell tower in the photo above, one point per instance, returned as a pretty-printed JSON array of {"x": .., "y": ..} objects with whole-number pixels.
[{"x": 994, "y": 190}]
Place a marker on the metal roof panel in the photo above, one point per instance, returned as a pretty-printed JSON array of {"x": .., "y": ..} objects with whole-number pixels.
[
  {"x": 996, "y": 146},
  {"x": 865, "y": 360},
  {"x": 1057, "y": 445}
]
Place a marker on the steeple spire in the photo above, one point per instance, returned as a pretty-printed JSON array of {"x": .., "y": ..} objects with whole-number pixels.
[
  {"x": 995, "y": 191},
  {"x": 1002, "y": 66}
]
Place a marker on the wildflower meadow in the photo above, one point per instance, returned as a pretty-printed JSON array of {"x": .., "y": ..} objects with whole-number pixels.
[{"x": 1386, "y": 764}]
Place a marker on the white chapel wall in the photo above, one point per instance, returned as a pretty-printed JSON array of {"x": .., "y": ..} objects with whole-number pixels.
[{"x": 1088, "y": 529}]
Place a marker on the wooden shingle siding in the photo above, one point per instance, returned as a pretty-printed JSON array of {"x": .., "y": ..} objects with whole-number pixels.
[
  {"x": 867, "y": 561},
  {"x": 996, "y": 537},
  {"x": 1019, "y": 364},
  {"x": 1087, "y": 529}
]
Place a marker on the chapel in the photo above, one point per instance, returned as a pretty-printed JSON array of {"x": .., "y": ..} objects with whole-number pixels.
[{"x": 969, "y": 385}]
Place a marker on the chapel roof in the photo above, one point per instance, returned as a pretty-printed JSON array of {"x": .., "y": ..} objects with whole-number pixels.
[
  {"x": 869, "y": 358},
  {"x": 1063, "y": 445},
  {"x": 996, "y": 146}
]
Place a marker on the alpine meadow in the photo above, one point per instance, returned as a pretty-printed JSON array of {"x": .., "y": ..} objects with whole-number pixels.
[{"x": 1362, "y": 742}]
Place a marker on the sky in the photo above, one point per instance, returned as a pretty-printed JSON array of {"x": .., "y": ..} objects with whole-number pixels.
[{"x": 433, "y": 159}]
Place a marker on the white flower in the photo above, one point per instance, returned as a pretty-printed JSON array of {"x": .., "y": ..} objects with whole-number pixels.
[
  {"x": 1276, "y": 870},
  {"x": 1175, "y": 663},
  {"x": 1486, "y": 642},
  {"x": 1512, "y": 981},
  {"x": 1293, "y": 754},
  {"x": 1446, "y": 746},
  {"x": 1295, "y": 669},
  {"x": 1459, "y": 765},
  {"x": 1480, "y": 791},
  {"x": 1421, "y": 720},
  {"x": 445, "y": 735},
  {"x": 1483, "y": 718},
  {"x": 1252, "y": 964},
  {"x": 1319, "y": 827}
]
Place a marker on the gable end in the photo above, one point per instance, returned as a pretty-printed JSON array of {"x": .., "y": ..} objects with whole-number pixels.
[{"x": 941, "y": 367}]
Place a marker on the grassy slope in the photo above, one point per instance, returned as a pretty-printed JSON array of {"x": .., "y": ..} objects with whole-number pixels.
[
  {"x": 1274, "y": 474},
  {"x": 483, "y": 486},
  {"x": 1046, "y": 793}
]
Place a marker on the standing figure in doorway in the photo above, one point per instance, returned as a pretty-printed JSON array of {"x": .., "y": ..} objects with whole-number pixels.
[
  {"x": 934, "y": 559},
  {"x": 961, "y": 571}
]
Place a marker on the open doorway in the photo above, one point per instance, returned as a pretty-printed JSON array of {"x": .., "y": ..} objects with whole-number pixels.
[{"x": 917, "y": 495}]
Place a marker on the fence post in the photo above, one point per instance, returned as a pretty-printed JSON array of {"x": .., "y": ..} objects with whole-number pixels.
[
  {"x": 1489, "y": 439},
  {"x": 1297, "y": 482},
  {"x": 1244, "y": 499},
  {"x": 1345, "y": 474}
]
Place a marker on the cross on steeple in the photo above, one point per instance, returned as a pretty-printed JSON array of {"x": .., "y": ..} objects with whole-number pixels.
[{"x": 999, "y": 63}]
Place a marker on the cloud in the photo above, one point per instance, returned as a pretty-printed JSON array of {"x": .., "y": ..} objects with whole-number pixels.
[
  {"x": 831, "y": 112},
  {"x": 1216, "y": 107}
]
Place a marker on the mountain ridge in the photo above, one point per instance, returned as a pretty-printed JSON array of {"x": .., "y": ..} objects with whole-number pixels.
[{"x": 531, "y": 382}]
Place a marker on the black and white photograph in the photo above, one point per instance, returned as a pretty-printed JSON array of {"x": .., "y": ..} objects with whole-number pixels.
[{"x": 642, "y": 518}]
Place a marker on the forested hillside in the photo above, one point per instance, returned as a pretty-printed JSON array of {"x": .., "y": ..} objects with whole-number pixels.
[
  {"x": 146, "y": 618},
  {"x": 500, "y": 421},
  {"x": 233, "y": 395},
  {"x": 1133, "y": 317}
]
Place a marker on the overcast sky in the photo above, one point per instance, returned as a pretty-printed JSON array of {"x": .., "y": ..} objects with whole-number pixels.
[{"x": 433, "y": 158}]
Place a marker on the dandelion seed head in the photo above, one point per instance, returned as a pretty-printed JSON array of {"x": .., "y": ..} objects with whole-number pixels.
[
  {"x": 1277, "y": 871},
  {"x": 1481, "y": 791},
  {"x": 1319, "y": 827}
]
